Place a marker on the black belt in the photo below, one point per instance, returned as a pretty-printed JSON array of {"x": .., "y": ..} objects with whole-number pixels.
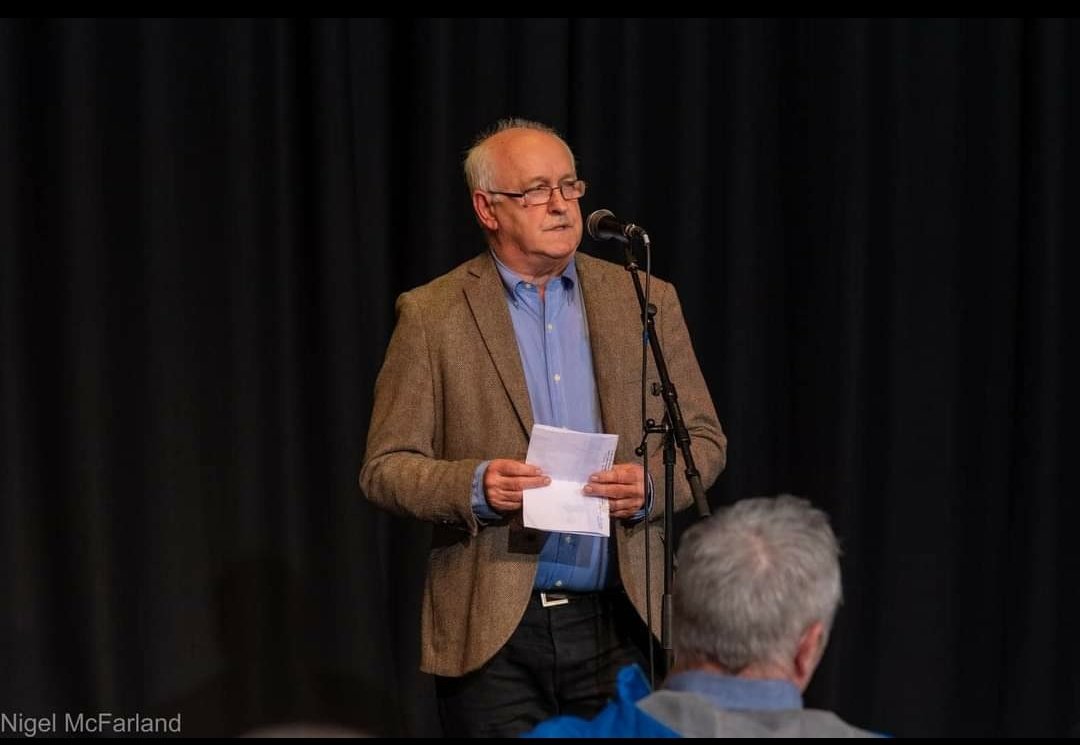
[{"x": 551, "y": 599}]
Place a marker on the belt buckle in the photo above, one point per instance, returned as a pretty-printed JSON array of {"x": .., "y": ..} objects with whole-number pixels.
[{"x": 551, "y": 599}]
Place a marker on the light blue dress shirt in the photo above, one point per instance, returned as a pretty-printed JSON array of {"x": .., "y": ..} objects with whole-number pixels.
[{"x": 553, "y": 340}]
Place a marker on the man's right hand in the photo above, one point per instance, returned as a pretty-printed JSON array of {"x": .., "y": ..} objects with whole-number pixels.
[{"x": 504, "y": 479}]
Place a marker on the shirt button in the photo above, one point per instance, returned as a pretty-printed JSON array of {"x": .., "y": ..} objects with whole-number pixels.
[
  {"x": 558, "y": 583},
  {"x": 569, "y": 539},
  {"x": 551, "y": 326},
  {"x": 558, "y": 377},
  {"x": 528, "y": 286}
]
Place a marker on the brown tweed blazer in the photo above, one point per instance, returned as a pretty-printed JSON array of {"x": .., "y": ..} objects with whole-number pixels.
[{"x": 452, "y": 393}]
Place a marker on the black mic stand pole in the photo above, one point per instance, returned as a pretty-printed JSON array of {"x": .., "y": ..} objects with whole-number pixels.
[{"x": 673, "y": 430}]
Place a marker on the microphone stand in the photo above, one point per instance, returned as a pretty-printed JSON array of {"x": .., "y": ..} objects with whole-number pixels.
[{"x": 673, "y": 430}]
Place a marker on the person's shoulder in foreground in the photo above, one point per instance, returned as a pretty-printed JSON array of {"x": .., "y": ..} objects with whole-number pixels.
[{"x": 685, "y": 714}]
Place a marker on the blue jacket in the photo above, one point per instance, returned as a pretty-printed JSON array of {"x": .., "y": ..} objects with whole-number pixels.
[{"x": 620, "y": 718}]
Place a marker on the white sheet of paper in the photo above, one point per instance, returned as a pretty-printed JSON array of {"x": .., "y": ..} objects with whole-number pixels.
[{"x": 569, "y": 458}]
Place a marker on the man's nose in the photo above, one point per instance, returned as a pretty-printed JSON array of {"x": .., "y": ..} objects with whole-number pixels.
[{"x": 557, "y": 203}]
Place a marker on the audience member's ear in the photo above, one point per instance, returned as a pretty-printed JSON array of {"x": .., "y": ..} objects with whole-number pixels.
[{"x": 808, "y": 654}]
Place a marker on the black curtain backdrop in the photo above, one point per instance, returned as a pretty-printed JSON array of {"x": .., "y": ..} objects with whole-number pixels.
[{"x": 204, "y": 226}]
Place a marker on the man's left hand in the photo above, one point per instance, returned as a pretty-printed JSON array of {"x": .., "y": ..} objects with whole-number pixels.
[{"x": 623, "y": 486}]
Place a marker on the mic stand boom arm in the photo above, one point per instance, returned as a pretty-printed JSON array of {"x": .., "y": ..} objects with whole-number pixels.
[
  {"x": 666, "y": 390},
  {"x": 673, "y": 429}
]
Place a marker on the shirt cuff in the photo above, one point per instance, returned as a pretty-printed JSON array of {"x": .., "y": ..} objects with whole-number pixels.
[
  {"x": 480, "y": 507},
  {"x": 644, "y": 511}
]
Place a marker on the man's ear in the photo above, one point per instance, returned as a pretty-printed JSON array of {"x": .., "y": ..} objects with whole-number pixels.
[
  {"x": 808, "y": 653},
  {"x": 481, "y": 201}
]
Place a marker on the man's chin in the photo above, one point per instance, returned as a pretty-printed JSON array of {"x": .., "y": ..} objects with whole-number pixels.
[
  {"x": 562, "y": 248},
  {"x": 562, "y": 254}
]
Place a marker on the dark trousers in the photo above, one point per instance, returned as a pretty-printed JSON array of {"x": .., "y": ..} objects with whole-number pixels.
[{"x": 561, "y": 660}]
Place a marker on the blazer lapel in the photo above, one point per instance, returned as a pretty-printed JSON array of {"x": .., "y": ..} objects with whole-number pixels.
[
  {"x": 614, "y": 336},
  {"x": 486, "y": 296}
]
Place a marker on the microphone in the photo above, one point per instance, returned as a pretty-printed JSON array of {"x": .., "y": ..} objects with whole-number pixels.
[{"x": 602, "y": 226}]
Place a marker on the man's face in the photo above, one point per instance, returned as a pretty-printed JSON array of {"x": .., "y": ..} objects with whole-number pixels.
[{"x": 538, "y": 238}]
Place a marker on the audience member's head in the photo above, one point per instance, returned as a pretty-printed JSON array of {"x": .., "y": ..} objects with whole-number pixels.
[{"x": 756, "y": 590}]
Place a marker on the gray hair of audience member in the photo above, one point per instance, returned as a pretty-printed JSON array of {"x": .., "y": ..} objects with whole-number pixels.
[
  {"x": 751, "y": 579},
  {"x": 479, "y": 169}
]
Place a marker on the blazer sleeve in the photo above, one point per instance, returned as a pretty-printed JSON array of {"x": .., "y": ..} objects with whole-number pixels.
[{"x": 402, "y": 470}]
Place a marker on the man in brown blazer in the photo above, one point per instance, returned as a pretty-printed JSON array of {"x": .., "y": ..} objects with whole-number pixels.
[{"x": 519, "y": 625}]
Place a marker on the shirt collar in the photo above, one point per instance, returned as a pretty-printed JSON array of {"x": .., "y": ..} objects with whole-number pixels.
[
  {"x": 727, "y": 692},
  {"x": 511, "y": 281}
]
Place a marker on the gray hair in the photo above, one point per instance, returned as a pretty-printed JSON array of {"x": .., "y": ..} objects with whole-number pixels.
[
  {"x": 479, "y": 170},
  {"x": 752, "y": 579}
]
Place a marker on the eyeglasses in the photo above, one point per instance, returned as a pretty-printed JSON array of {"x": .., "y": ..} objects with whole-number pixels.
[{"x": 538, "y": 195}]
